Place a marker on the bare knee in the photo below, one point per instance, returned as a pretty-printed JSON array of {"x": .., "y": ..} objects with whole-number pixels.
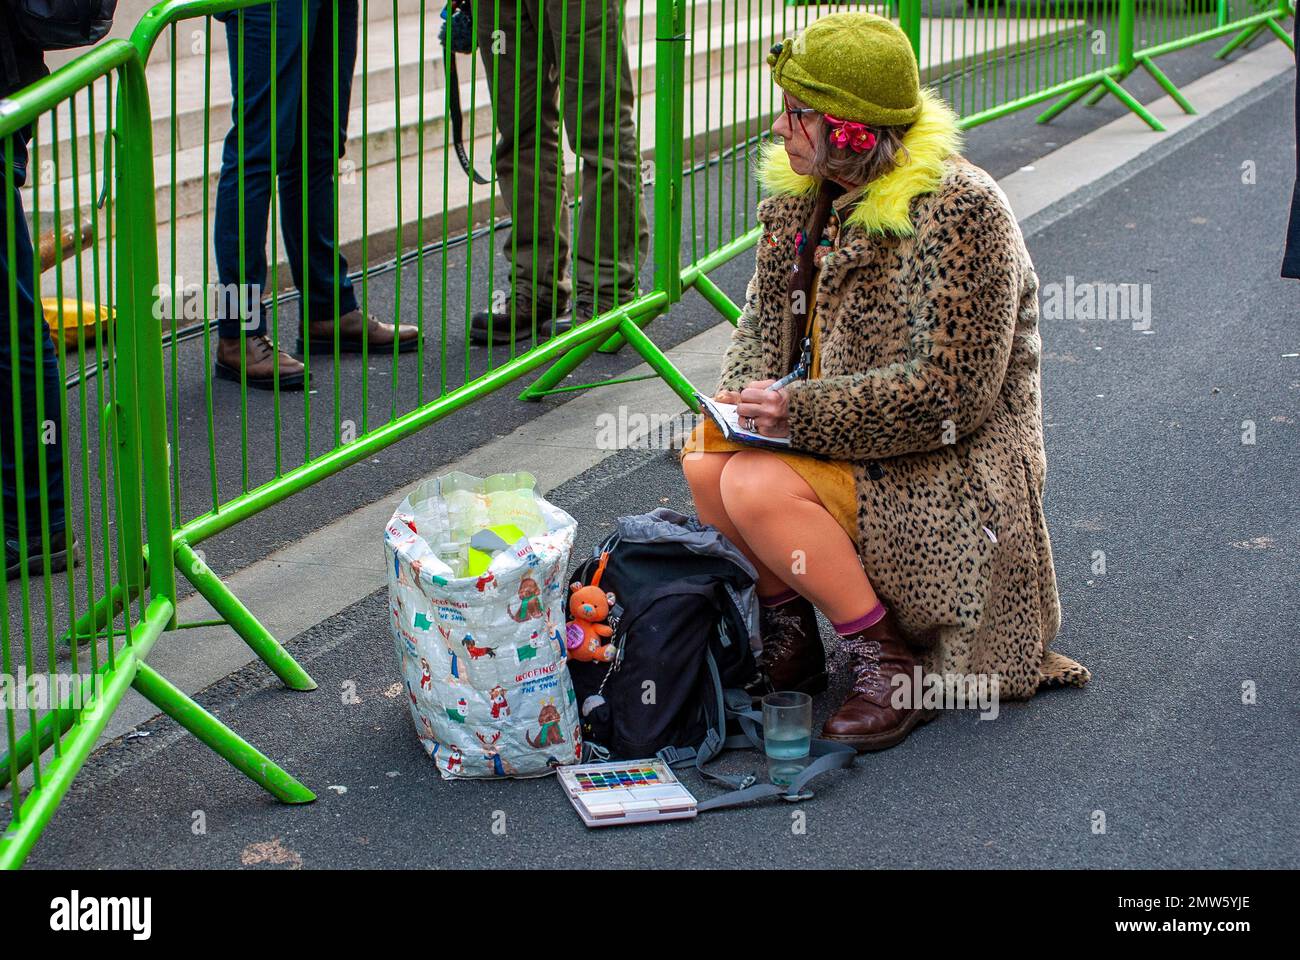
[
  {"x": 749, "y": 483},
  {"x": 703, "y": 470}
]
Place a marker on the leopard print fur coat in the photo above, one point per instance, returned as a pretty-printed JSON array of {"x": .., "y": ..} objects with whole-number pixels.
[{"x": 930, "y": 386}]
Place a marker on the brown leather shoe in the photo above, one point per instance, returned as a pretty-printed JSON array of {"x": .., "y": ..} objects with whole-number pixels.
[
  {"x": 868, "y": 720},
  {"x": 259, "y": 363},
  {"x": 62, "y": 556},
  {"x": 378, "y": 334},
  {"x": 792, "y": 657}
]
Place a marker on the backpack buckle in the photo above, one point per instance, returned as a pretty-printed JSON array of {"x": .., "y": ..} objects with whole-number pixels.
[
  {"x": 796, "y": 797},
  {"x": 671, "y": 755}
]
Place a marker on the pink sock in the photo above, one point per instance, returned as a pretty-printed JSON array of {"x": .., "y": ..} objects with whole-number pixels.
[
  {"x": 870, "y": 618},
  {"x": 778, "y": 599}
]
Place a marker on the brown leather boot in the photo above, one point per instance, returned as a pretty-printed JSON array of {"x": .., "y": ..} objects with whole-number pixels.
[
  {"x": 793, "y": 657},
  {"x": 260, "y": 361},
  {"x": 378, "y": 334},
  {"x": 868, "y": 720}
]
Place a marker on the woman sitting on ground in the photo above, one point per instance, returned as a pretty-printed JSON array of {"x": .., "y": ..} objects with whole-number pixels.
[{"x": 909, "y": 511}]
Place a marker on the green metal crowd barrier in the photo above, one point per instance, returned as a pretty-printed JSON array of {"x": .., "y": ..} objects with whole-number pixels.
[
  {"x": 1159, "y": 27},
  {"x": 590, "y": 150},
  {"x": 107, "y": 444}
]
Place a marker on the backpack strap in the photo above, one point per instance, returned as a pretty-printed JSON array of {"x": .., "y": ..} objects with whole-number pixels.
[
  {"x": 828, "y": 755},
  {"x": 450, "y": 48},
  {"x": 678, "y": 756},
  {"x": 715, "y": 740},
  {"x": 736, "y": 702},
  {"x": 736, "y": 705}
]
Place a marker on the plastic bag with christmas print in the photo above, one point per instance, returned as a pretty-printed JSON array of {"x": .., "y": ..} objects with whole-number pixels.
[{"x": 477, "y": 600}]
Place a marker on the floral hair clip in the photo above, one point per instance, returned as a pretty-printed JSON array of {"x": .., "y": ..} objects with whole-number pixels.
[{"x": 850, "y": 134}]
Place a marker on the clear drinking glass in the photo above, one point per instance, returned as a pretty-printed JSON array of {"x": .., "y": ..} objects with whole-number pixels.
[{"x": 787, "y": 734}]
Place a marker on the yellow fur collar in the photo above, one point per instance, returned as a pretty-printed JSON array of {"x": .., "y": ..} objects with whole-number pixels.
[{"x": 884, "y": 206}]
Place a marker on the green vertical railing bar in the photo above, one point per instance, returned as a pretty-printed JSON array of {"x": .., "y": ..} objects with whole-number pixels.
[
  {"x": 274, "y": 231},
  {"x": 334, "y": 224},
  {"x": 207, "y": 254},
  {"x": 537, "y": 204},
  {"x": 304, "y": 304},
  {"x": 909, "y": 16},
  {"x": 176, "y": 294},
  {"x": 243, "y": 248},
  {"x": 670, "y": 86}
]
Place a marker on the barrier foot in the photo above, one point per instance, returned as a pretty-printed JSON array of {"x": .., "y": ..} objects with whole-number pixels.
[
  {"x": 1099, "y": 91},
  {"x": 1281, "y": 34},
  {"x": 719, "y": 300},
  {"x": 570, "y": 361},
  {"x": 1169, "y": 87},
  {"x": 1240, "y": 40},
  {"x": 1061, "y": 105},
  {"x": 1128, "y": 100},
  {"x": 615, "y": 341},
  {"x": 239, "y": 617},
  {"x": 613, "y": 345},
  {"x": 237, "y": 751},
  {"x": 660, "y": 363},
  {"x": 559, "y": 370}
]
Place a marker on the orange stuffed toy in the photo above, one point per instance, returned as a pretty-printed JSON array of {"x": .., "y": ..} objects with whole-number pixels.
[{"x": 589, "y": 605}]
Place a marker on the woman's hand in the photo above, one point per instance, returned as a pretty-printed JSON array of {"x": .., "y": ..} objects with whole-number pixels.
[
  {"x": 768, "y": 408},
  {"x": 727, "y": 396}
]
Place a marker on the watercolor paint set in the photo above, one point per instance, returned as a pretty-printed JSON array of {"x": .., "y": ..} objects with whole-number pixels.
[{"x": 637, "y": 791}]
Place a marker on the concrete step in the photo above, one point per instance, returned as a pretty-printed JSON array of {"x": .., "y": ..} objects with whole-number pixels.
[
  {"x": 718, "y": 122},
  {"x": 192, "y": 100},
  {"x": 384, "y": 120},
  {"x": 191, "y": 39},
  {"x": 392, "y": 126}
]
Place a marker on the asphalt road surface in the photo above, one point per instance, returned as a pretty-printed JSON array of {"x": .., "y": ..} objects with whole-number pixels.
[{"x": 1195, "y": 614}]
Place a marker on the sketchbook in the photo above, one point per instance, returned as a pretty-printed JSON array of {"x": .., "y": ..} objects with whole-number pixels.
[{"x": 728, "y": 421}]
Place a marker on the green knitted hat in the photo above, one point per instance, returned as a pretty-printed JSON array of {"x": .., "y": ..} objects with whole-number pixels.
[{"x": 855, "y": 66}]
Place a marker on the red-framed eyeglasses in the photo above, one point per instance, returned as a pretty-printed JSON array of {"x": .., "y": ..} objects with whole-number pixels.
[{"x": 797, "y": 113}]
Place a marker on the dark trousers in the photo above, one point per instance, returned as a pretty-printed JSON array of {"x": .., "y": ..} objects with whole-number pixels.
[
  {"x": 609, "y": 245},
  {"x": 256, "y": 120},
  {"x": 42, "y": 438},
  {"x": 1291, "y": 256}
]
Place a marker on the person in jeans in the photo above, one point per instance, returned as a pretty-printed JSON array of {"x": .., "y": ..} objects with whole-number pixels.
[
  {"x": 317, "y": 289},
  {"x": 20, "y": 65},
  {"x": 573, "y": 41}
]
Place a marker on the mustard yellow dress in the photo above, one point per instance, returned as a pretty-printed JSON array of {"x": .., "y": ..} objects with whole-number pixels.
[{"x": 831, "y": 480}]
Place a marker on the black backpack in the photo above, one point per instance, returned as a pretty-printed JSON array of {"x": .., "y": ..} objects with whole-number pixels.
[
  {"x": 63, "y": 24},
  {"x": 685, "y": 622}
]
